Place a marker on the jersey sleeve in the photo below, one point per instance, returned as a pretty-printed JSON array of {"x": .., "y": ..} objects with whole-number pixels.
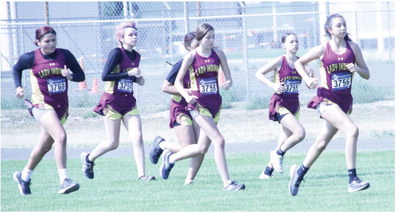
[
  {"x": 74, "y": 66},
  {"x": 25, "y": 61},
  {"x": 174, "y": 72},
  {"x": 113, "y": 60}
]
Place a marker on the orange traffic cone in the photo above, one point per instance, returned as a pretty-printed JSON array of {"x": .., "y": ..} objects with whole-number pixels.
[{"x": 94, "y": 88}]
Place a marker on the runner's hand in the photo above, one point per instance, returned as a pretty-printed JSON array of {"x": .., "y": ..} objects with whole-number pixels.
[
  {"x": 352, "y": 67},
  {"x": 134, "y": 71},
  {"x": 312, "y": 83},
  {"x": 279, "y": 88},
  {"x": 191, "y": 99},
  {"x": 20, "y": 92},
  {"x": 227, "y": 84},
  {"x": 65, "y": 73},
  {"x": 140, "y": 80}
]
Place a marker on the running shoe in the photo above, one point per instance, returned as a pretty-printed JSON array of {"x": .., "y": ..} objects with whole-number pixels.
[
  {"x": 234, "y": 186},
  {"x": 277, "y": 161},
  {"x": 146, "y": 178},
  {"x": 88, "y": 167},
  {"x": 156, "y": 151},
  {"x": 166, "y": 166},
  {"x": 68, "y": 186},
  {"x": 294, "y": 181},
  {"x": 264, "y": 176},
  {"x": 24, "y": 186},
  {"x": 358, "y": 185},
  {"x": 29, "y": 106},
  {"x": 188, "y": 182}
]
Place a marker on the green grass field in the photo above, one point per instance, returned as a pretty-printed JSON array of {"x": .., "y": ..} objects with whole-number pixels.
[{"x": 115, "y": 187}]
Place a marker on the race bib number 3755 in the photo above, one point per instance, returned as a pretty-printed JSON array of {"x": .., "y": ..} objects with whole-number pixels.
[
  {"x": 291, "y": 86},
  {"x": 208, "y": 86},
  {"x": 341, "y": 81}
]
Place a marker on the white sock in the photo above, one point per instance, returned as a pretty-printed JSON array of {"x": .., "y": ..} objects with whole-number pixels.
[
  {"x": 161, "y": 145},
  {"x": 63, "y": 174},
  {"x": 188, "y": 181},
  {"x": 171, "y": 160},
  {"x": 227, "y": 183},
  {"x": 26, "y": 174}
]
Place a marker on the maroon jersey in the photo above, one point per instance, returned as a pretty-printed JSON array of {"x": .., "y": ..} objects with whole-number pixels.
[
  {"x": 290, "y": 97},
  {"x": 336, "y": 86},
  {"x": 178, "y": 103},
  {"x": 203, "y": 74},
  {"x": 48, "y": 84},
  {"x": 119, "y": 93}
]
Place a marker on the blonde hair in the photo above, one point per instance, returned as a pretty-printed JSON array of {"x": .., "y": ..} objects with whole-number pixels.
[{"x": 120, "y": 30}]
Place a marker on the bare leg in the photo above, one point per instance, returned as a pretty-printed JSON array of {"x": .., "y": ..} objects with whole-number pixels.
[
  {"x": 341, "y": 121},
  {"x": 284, "y": 134},
  {"x": 322, "y": 140},
  {"x": 291, "y": 125},
  {"x": 196, "y": 161},
  {"x": 42, "y": 147},
  {"x": 112, "y": 128},
  {"x": 54, "y": 133},
  {"x": 210, "y": 129},
  {"x": 134, "y": 127}
]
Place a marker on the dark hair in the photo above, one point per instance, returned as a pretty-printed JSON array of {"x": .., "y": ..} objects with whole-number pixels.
[
  {"x": 285, "y": 36},
  {"x": 328, "y": 25},
  {"x": 202, "y": 30},
  {"x": 120, "y": 30},
  {"x": 189, "y": 37},
  {"x": 40, "y": 32}
]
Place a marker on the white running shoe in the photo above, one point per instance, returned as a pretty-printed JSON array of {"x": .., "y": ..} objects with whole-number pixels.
[{"x": 264, "y": 176}]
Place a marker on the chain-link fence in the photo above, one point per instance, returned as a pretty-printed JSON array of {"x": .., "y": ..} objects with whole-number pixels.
[{"x": 248, "y": 32}]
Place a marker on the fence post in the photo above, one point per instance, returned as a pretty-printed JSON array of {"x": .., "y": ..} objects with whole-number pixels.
[
  {"x": 186, "y": 16},
  {"x": 47, "y": 16},
  {"x": 245, "y": 54},
  {"x": 323, "y": 9}
]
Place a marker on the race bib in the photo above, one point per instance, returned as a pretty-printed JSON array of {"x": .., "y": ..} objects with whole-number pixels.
[
  {"x": 208, "y": 86},
  {"x": 341, "y": 81},
  {"x": 125, "y": 85},
  {"x": 56, "y": 85},
  {"x": 291, "y": 86}
]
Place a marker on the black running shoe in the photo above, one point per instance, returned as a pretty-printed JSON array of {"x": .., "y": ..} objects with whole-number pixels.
[
  {"x": 88, "y": 167},
  {"x": 156, "y": 151},
  {"x": 24, "y": 186},
  {"x": 294, "y": 181},
  {"x": 166, "y": 166}
]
